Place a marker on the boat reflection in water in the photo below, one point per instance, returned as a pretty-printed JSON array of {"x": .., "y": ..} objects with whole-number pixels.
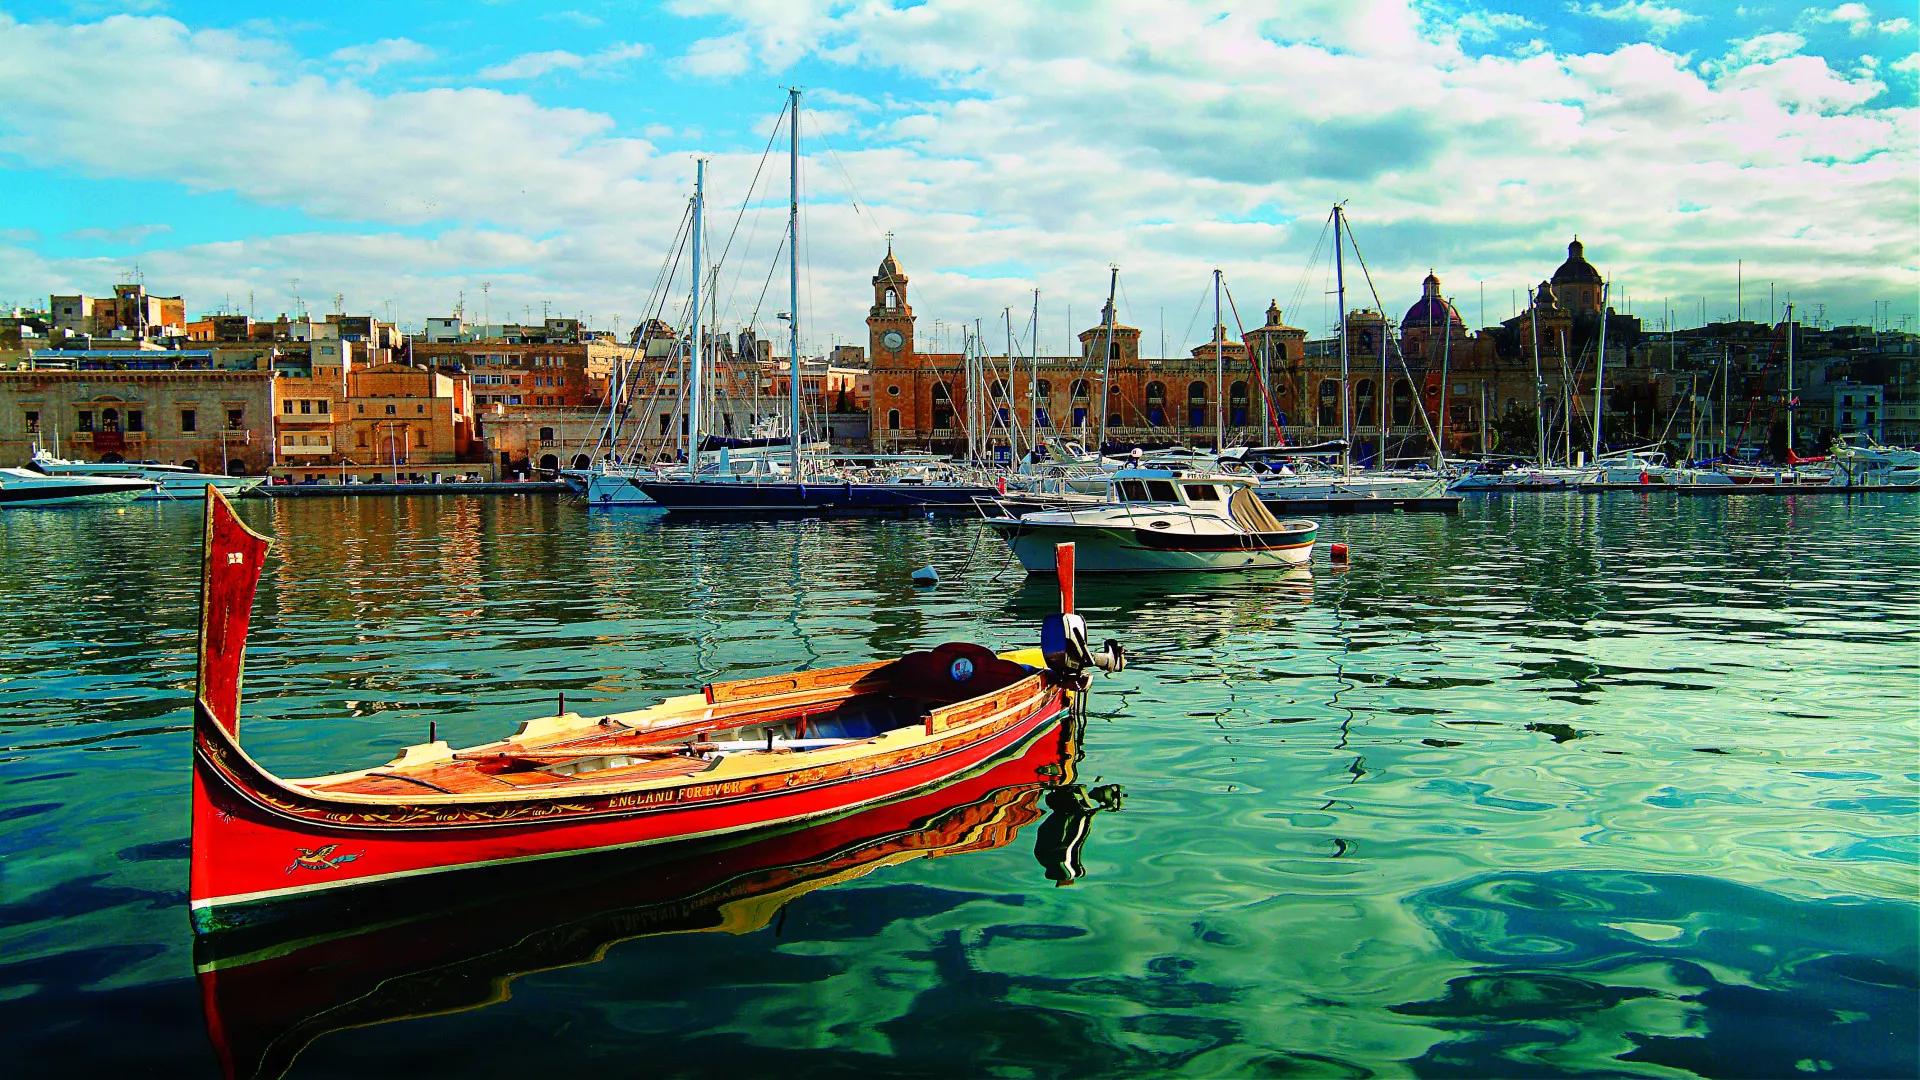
[{"x": 425, "y": 947}]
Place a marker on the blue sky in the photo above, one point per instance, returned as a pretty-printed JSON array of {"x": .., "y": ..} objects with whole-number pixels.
[{"x": 398, "y": 154}]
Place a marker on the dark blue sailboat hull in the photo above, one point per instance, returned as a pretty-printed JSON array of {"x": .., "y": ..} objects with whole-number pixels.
[{"x": 821, "y": 499}]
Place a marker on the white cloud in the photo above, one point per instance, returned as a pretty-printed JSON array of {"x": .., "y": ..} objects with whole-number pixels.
[
  {"x": 1911, "y": 65},
  {"x": 1658, "y": 18},
  {"x": 1765, "y": 48},
  {"x": 534, "y": 65},
  {"x": 578, "y": 18},
  {"x": 1488, "y": 25},
  {"x": 1023, "y": 146},
  {"x": 126, "y": 235},
  {"x": 1857, "y": 18},
  {"x": 369, "y": 58},
  {"x": 1896, "y": 26}
]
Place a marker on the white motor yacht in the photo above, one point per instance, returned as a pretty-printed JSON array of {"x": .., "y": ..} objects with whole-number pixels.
[
  {"x": 1161, "y": 519},
  {"x": 165, "y": 482},
  {"x": 26, "y": 487}
]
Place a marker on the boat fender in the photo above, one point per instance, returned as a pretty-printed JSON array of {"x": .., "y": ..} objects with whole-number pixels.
[{"x": 926, "y": 576}]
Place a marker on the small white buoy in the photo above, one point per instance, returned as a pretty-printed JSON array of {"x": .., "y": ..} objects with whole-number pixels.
[{"x": 926, "y": 575}]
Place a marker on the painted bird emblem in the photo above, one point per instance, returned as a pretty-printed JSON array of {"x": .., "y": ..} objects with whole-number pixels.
[{"x": 320, "y": 858}]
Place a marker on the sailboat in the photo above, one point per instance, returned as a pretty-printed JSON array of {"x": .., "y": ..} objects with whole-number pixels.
[{"x": 797, "y": 492}]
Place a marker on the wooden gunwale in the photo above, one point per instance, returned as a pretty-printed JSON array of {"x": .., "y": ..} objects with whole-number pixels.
[{"x": 733, "y": 778}]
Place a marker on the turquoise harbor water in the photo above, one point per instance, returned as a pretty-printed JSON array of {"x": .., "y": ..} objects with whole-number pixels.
[{"x": 1564, "y": 785}]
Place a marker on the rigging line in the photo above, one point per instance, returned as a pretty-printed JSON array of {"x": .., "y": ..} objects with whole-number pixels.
[
  {"x": 1187, "y": 334},
  {"x": 752, "y": 185},
  {"x": 656, "y": 302},
  {"x": 1379, "y": 396},
  {"x": 1306, "y": 275},
  {"x": 610, "y": 434},
  {"x": 773, "y": 268},
  {"x": 853, "y": 190}
]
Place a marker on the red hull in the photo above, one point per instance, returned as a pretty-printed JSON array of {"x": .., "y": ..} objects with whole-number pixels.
[
  {"x": 253, "y": 845},
  {"x": 403, "y": 952}
]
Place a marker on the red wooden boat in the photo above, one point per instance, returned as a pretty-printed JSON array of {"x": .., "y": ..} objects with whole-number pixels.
[
  {"x": 446, "y": 944},
  {"x": 755, "y": 754}
]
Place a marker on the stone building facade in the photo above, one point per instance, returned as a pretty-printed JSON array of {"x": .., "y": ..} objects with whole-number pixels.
[
  {"x": 208, "y": 420},
  {"x": 918, "y": 400}
]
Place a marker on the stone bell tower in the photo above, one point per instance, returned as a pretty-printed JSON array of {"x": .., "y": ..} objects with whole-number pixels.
[{"x": 890, "y": 320}]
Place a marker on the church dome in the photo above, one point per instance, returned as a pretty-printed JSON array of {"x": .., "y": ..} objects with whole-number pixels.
[
  {"x": 1576, "y": 270},
  {"x": 1432, "y": 309}
]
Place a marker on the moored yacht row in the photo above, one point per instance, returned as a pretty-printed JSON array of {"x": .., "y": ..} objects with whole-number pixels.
[{"x": 51, "y": 481}]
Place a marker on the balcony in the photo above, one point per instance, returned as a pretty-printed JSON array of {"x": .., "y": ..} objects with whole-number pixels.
[{"x": 307, "y": 450}]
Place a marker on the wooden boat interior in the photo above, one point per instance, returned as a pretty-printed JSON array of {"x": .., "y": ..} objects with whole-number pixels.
[{"x": 750, "y": 726}]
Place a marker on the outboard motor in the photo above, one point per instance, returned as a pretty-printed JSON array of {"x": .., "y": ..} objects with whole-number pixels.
[{"x": 1063, "y": 637}]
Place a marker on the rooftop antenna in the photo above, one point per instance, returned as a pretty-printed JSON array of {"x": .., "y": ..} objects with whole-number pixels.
[
  {"x": 339, "y": 304},
  {"x": 460, "y": 306},
  {"x": 293, "y": 286},
  {"x": 486, "y": 303}
]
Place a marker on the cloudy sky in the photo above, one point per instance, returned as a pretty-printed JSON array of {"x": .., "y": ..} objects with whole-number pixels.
[{"x": 396, "y": 153}]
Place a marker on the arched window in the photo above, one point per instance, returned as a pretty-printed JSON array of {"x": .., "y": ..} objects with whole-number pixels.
[
  {"x": 1046, "y": 389},
  {"x": 1113, "y": 349},
  {"x": 582, "y": 461},
  {"x": 1157, "y": 404},
  {"x": 1402, "y": 402},
  {"x": 109, "y": 419},
  {"x": 893, "y": 298},
  {"x": 1363, "y": 402},
  {"x": 940, "y": 392},
  {"x": 549, "y": 463},
  {"x": 942, "y": 406},
  {"x": 1329, "y": 403},
  {"x": 998, "y": 390},
  {"x": 1237, "y": 404},
  {"x": 1081, "y": 388},
  {"x": 893, "y": 419},
  {"x": 1196, "y": 404},
  {"x": 546, "y": 434}
]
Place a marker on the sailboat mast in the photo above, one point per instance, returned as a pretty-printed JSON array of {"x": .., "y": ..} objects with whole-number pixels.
[
  {"x": 1340, "y": 287},
  {"x": 1033, "y": 375},
  {"x": 1539, "y": 387},
  {"x": 1013, "y": 371},
  {"x": 1219, "y": 370},
  {"x": 1106, "y": 355},
  {"x": 1727, "y": 375},
  {"x": 1789, "y": 378},
  {"x": 695, "y": 399},
  {"x": 1600, "y": 370},
  {"x": 1446, "y": 361},
  {"x": 793, "y": 281},
  {"x": 1380, "y": 393}
]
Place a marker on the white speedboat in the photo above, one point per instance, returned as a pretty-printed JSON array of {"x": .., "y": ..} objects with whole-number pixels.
[
  {"x": 1162, "y": 519},
  {"x": 26, "y": 487},
  {"x": 165, "y": 482}
]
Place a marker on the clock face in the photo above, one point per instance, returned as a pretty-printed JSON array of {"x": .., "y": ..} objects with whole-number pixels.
[{"x": 892, "y": 339}]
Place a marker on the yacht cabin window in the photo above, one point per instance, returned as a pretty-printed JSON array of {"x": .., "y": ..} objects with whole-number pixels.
[
  {"x": 1161, "y": 491},
  {"x": 1200, "y": 493},
  {"x": 1133, "y": 491}
]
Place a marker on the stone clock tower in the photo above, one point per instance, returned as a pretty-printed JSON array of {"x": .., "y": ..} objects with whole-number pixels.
[{"x": 890, "y": 320}]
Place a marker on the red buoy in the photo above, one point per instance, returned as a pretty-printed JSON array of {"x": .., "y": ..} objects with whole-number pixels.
[{"x": 1338, "y": 552}]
